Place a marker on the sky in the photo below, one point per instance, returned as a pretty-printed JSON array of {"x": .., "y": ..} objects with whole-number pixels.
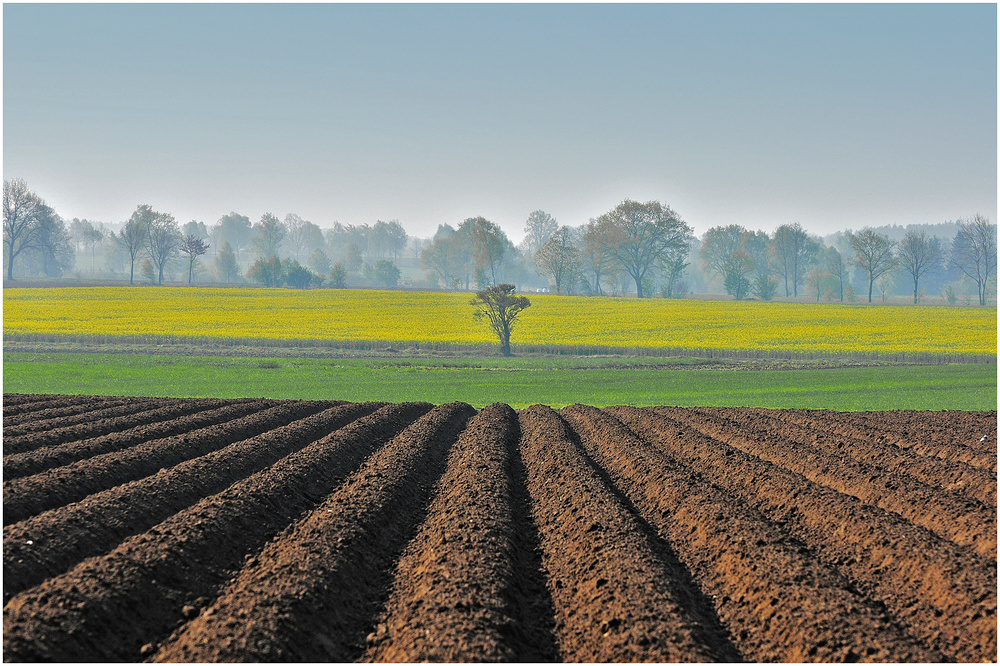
[{"x": 833, "y": 116}]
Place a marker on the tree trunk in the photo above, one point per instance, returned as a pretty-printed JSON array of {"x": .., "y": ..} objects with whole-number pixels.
[
  {"x": 131, "y": 271},
  {"x": 871, "y": 285}
]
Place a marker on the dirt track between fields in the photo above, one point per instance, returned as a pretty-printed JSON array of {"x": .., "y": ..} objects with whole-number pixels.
[{"x": 225, "y": 530}]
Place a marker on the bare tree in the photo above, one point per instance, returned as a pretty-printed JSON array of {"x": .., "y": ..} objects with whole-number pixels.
[
  {"x": 163, "y": 240},
  {"x": 21, "y": 216},
  {"x": 640, "y": 233},
  {"x": 501, "y": 308},
  {"x": 974, "y": 252},
  {"x": 132, "y": 237},
  {"x": 838, "y": 270},
  {"x": 538, "y": 230},
  {"x": 558, "y": 257},
  {"x": 193, "y": 247},
  {"x": 596, "y": 253},
  {"x": 919, "y": 255},
  {"x": 873, "y": 254}
]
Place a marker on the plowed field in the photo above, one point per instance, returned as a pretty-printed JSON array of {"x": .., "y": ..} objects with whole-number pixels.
[{"x": 143, "y": 529}]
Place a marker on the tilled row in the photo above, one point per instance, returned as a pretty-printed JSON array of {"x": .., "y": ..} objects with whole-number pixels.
[
  {"x": 176, "y": 421},
  {"x": 108, "y": 418},
  {"x": 45, "y": 419},
  {"x": 21, "y": 403},
  {"x": 781, "y": 603},
  {"x": 115, "y": 419},
  {"x": 964, "y": 521},
  {"x": 50, "y": 489},
  {"x": 931, "y": 587},
  {"x": 117, "y": 607},
  {"x": 958, "y": 441},
  {"x": 50, "y": 543},
  {"x": 959, "y": 477},
  {"x": 471, "y": 602},
  {"x": 411, "y": 533}
]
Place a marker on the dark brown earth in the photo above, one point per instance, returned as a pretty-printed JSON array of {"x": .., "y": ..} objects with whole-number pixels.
[{"x": 142, "y": 529}]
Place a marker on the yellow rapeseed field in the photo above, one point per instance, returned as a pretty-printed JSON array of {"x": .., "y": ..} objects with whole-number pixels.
[{"x": 405, "y": 317}]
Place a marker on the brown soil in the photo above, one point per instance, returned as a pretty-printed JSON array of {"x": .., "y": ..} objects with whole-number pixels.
[
  {"x": 287, "y": 530},
  {"x": 203, "y": 414},
  {"x": 964, "y": 521}
]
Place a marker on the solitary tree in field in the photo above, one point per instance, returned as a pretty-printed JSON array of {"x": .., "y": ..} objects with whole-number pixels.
[{"x": 501, "y": 308}]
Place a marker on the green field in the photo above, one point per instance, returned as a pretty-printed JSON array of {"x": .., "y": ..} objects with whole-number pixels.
[{"x": 517, "y": 381}]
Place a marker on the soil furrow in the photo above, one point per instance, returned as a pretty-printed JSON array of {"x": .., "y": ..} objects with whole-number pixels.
[
  {"x": 946, "y": 449},
  {"x": 313, "y": 593},
  {"x": 15, "y": 403},
  {"x": 957, "y": 477},
  {"x": 780, "y": 603},
  {"x": 961, "y": 520},
  {"x": 131, "y": 415},
  {"x": 618, "y": 594},
  {"x": 456, "y": 588},
  {"x": 50, "y": 543},
  {"x": 31, "y": 495},
  {"x": 198, "y": 414},
  {"x": 973, "y": 430},
  {"x": 936, "y": 591},
  {"x": 28, "y": 436},
  {"x": 110, "y": 608},
  {"x": 48, "y": 402},
  {"x": 46, "y": 419}
]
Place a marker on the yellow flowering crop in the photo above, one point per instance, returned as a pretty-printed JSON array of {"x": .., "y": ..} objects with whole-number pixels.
[{"x": 403, "y": 317}]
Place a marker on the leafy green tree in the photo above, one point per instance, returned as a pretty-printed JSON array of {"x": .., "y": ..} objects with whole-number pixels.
[
  {"x": 319, "y": 262},
  {"x": 296, "y": 275},
  {"x": 765, "y": 287},
  {"x": 444, "y": 256},
  {"x": 267, "y": 235},
  {"x": 501, "y": 308},
  {"x": 267, "y": 272},
  {"x": 639, "y": 234},
  {"x": 724, "y": 251},
  {"x": 873, "y": 254},
  {"x": 338, "y": 275},
  {"x": 489, "y": 245},
  {"x": 385, "y": 273},
  {"x": 226, "y": 266}
]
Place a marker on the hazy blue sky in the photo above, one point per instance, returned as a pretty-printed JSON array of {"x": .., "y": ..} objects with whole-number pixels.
[{"x": 829, "y": 115}]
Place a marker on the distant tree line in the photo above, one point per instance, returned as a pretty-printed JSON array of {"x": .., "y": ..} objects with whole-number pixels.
[{"x": 636, "y": 248}]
